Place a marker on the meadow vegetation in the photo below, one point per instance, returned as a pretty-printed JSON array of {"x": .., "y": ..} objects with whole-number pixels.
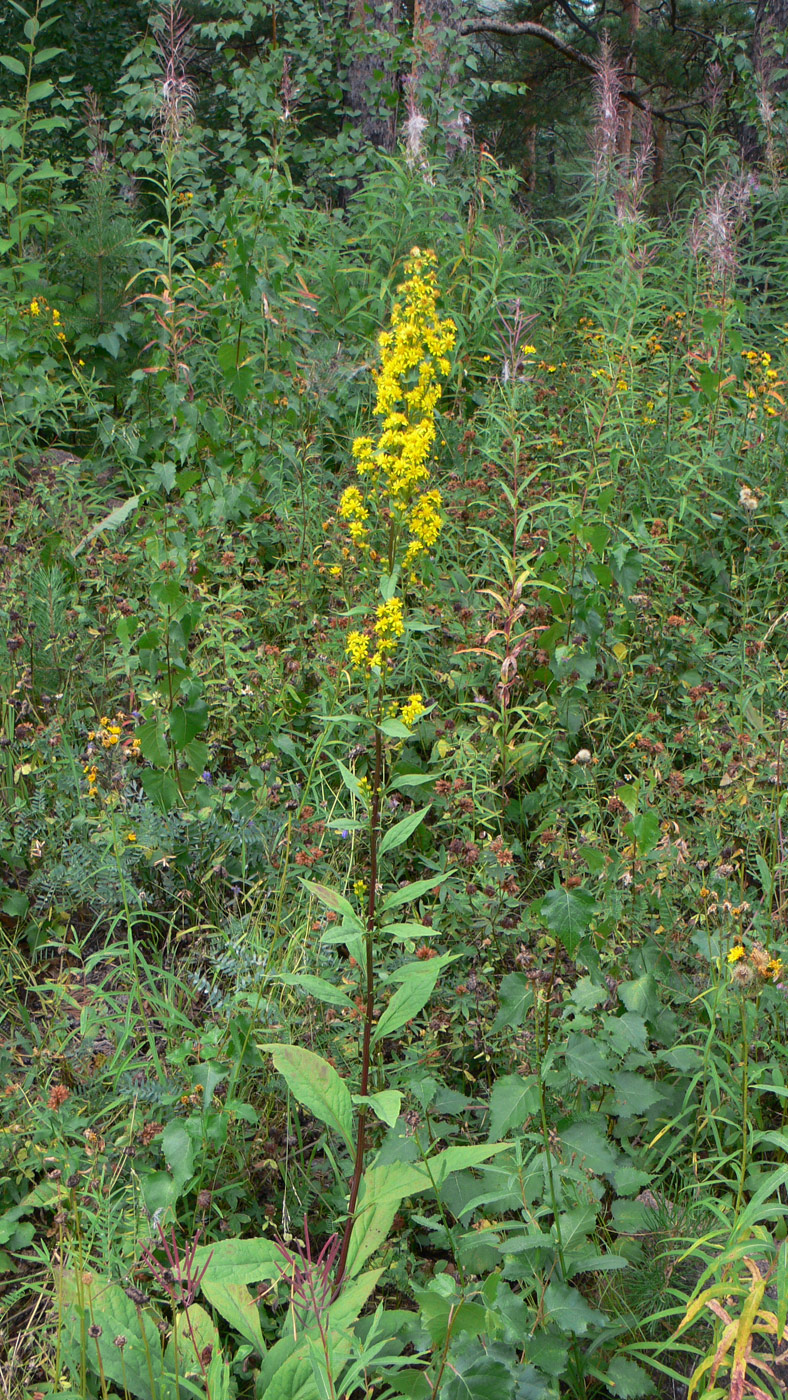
[{"x": 393, "y": 724}]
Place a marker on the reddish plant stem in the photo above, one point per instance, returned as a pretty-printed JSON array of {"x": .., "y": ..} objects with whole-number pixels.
[{"x": 369, "y": 1010}]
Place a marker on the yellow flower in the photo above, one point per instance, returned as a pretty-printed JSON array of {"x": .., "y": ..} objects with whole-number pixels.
[
  {"x": 358, "y": 648},
  {"x": 412, "y": 356},
  {"x": 735, "y": 954},
  {"x": 359, "y": 888},
  {"x": 55, "y": 315},
  {"x": 527, "y": 349},
  {"x": 774, "y": 967},
  {"x": 35, "y": 309},
  {"x": 412, "y": 709},
  {"x": 131, "y": 836}
]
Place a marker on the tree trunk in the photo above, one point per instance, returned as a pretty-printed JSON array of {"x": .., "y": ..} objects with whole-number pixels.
[
  {"x": 631, "y": 11},
  {"x": 366, "y": 91}
]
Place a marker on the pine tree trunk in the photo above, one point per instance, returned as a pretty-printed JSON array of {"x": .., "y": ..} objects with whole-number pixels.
[
  {"x": 632, "y": 13},
  {"x": 366, "y": 91}
]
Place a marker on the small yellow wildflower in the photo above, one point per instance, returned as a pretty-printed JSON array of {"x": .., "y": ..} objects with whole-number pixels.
[
  {"x": 735, "y": 954},
  {"x": 773, "y": 968},
  {"x": 359, "y": 888},
  {"x": 35, "y": 309},
  {"x": 414, "y": 707},
  {"x": 358, "y": 648},
  {"x": 131, "y": 836}
]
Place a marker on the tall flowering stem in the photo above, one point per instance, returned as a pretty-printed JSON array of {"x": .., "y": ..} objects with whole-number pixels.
[{"x": 393, "y": 501}]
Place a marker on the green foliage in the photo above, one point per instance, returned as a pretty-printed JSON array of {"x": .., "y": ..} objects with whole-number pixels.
[{"x": 410, "y": 1024}]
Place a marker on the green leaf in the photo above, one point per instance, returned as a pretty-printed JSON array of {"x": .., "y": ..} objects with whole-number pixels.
[
  {"x": 408, "y": 931},
  {"x": 13, "y": 65},
  {"x": 411, "y": 892},
  {"x": 567, "y": 914},
  {"x": 383, "y": 1189},
  {"x": 161, "y": 789},
  {"x": 334, "y": 900},
  {"x": 105, "y": 1305},
  {"x": 316, "y": 1084},
  {"x": 513, "y": 1099},
  {"x": 186, "y": 722},
  {"x": 178, "y": 1150},
  {"x": 152, "y": 742},
  {"x": 568, "y": 1309},
  {"x": 394, "y": 729},
  {"x": 589, "y": 1143},
  {"x": 39, "y": 91},
  {"x": 484, "y": 1377},
  {"x": 633, "y": 1093},
  {"x": 352, "y": 783},
  {"x": 316, "y": 987},
  {"x": 626, "y": 1379},
  {"x": 644, "y": 831},
  {"x": 231, "y": 1265},
  {"x": 398, "y": 834},
  {"x": 113, "y": 521},
  {"x": 418, "y": 984},
  {"x": 386, "y": 1105},
  {"x": 460, "y": 1159},
  {"x": 514, "y": 1000}
]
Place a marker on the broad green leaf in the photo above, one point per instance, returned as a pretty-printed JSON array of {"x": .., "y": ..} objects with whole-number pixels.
[
  {"x": 567, "y": 914},
  {"x": 626, "y": 1379},
  {"x": 178, "y": 1150},
  {"x": 394, "y": 729},
  {"x": 409, "y": 893},
  {"x": 316, "y": 1084},
  {"x": 514, "y": 1098},
  {"x": 316, "y": 987},
  {"x": 633, "y": 1093},
  {"x": 239, "y": 1261},
  {"x": 383, "y": 1189},
  {"x": 110, "y": 1309},
  {"x": 568, "y": 1309},
  {"x": 13, "y": 65},
  {"x": 459, "y": 1159},
  {"x": 116, "y": 518},
  {"x": 408, "y": 931},
  {"x": 418, "y": 984},
  {"x": 385, "y": 1105},
  {"x": 236, "y": 1305},
  {"x": 37, "y": 92},
  {"x": 333, "y": 900},
  {"x": 399, "y": 834},
  {"x": 514, "y": 1000}
]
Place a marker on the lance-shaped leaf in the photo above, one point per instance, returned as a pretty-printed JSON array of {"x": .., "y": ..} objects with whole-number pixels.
[{"x": 316, "y": 1084}]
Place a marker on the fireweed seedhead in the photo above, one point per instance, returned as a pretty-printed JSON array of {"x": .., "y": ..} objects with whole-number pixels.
[
  {"x": 177, "y": 93},
  {"x": 413, "y": 130},
  {"x": 716, "y": 228},
  {"x": 97, "y": 132},
  {"x": 394, "y": 465},
  {"x": 607, "y": 127},
  {"x": 630, "y": 192}
]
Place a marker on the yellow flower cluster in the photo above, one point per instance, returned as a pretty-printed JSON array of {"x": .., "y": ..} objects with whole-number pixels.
[
  {"x": 108, "y": 733},
  {"x": 413, "y": 356},
  {"x": 389, "y": 627},
  {"x": 91, "y": 773},
  {"x": 414, "y": 707},
  {"x": 353, "y": 509},
  {"x": 750, "y": 965}
]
